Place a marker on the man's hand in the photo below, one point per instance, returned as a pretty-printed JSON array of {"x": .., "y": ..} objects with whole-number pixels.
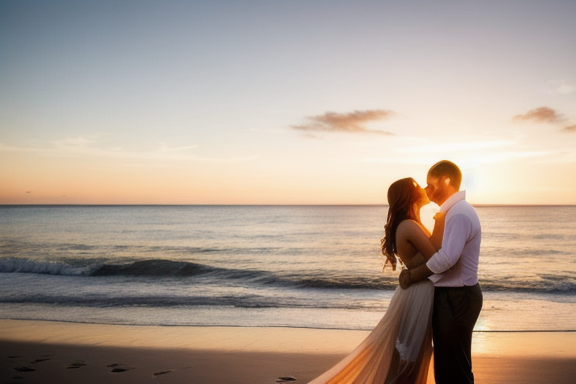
[{"x": 405, "y": 279}]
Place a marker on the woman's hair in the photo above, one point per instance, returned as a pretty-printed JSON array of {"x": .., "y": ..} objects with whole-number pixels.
[{"x": 402, "y": 195}]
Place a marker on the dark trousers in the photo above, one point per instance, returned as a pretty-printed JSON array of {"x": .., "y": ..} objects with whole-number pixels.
[{"x": 455, "y": 313}]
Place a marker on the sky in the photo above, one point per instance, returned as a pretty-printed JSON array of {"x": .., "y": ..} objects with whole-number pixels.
[{"x": 284, "y": 101}]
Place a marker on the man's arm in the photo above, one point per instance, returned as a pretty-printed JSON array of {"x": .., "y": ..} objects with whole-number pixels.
[
  {"x": 454, "y": 240},
  {"x": 455, "y": 236}
]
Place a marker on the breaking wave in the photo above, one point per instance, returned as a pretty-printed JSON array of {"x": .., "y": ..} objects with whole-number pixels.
[{"x": 160, "y": 268}]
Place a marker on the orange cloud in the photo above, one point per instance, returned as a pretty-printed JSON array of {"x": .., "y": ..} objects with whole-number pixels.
[
  {"x": 541, "y": 115},
  {"x": 569, "y": 129},
  {"x": 352, "y": 122}
]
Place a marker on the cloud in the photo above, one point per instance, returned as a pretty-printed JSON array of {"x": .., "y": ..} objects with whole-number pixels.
[
  {"x": 164, "y": 148},
  {"x": 540, "y": 115},
  {"x": 569, "y": 129},
  {"x": 559, "y": 87},
  {"x": 353, "y": 122},
  {"x": 460, "y": 146},
  {"x": 466, "y": 160},
  {"x": 467, "y": 152},
  {"x": 84, "y": 145},
  {"x": 8, "y": 148},
  {"x": 90, "y": 146}
]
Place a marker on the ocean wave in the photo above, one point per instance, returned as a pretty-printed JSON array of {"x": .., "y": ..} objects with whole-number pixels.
[
  {"x": 545, "y": 285},
  {"x": 23, "y": 265},
  {"x": 153, "y": 301},
  {"x": 161, "y": 268},
  {"x": 153, "y": 267},
  {"x": 341, "y": 282},
  {"x": 169, "y": 268}
]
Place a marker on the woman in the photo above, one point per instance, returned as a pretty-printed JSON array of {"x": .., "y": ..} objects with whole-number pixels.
[{"x": 399, "y": 348}]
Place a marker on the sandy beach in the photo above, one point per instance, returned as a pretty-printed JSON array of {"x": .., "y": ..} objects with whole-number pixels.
[{"x": 51, "y": 352}]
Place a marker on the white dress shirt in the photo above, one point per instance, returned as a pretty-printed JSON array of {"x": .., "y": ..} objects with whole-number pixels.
[{"x": 456, "y": 263}]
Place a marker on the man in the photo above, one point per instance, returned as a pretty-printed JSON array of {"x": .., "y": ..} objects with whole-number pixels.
[{"x": 454, "y": 272}]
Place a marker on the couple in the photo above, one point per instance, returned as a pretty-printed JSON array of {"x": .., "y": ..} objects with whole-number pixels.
[{"x": 439, "y": 298}]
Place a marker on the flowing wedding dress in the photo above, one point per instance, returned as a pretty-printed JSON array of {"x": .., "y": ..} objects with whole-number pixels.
[{"x": 398, "y": 350}]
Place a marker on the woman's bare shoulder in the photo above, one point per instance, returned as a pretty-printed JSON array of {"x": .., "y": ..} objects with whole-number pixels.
[{"x": 409, "y": 225}]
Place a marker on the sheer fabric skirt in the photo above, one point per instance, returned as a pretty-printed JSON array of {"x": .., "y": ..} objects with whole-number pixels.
[{"x": 398, "y": 350}]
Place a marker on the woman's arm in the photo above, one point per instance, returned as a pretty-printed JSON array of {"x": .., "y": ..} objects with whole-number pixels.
[
  {"x": 422, "y": 271},
  {"x": 416, "y": 235},
  {"x": 438, "y": 231}
]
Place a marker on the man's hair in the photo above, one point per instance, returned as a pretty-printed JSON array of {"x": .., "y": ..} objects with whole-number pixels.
[{"x": 448, "y": 169}]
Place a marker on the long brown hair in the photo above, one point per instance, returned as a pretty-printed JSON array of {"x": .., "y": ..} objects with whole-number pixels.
[{"x": 402, "y": 195}]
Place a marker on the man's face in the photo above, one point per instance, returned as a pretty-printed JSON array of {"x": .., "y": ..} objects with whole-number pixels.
[{"x": 436, "y": 189}]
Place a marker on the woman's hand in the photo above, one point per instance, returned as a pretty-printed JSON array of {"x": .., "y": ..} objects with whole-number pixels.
[
  {"x": 405, "y": 279},
  {"x": 438, "y": 231},
  {"x": 410, "y": 276}
]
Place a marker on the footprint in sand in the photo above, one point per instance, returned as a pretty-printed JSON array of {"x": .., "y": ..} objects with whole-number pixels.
[
  {"x": 24, "y": 369},
  {"x": 119, "y": 368},
  {"x": 77, "y": 364},
  {"x": 161, "y": 373},
  {"x": 41, "y": 359},
  {"x": 285, "y": 379}
]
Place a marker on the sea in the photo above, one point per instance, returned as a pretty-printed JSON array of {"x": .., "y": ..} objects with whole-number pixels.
[{"x": 265, "y": 266}]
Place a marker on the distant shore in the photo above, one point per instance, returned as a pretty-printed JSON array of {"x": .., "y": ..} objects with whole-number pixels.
[{"x": 53, "y": 352}]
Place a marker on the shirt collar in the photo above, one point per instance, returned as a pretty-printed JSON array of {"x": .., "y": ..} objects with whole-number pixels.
[{"x": 449, "y": 203}]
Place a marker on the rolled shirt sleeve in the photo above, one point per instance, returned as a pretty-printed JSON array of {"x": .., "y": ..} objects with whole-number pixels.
[{"x": 456, "y": 263}]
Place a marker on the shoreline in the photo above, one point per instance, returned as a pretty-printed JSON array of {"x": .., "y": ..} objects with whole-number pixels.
[{"x": 56, "y": 352}]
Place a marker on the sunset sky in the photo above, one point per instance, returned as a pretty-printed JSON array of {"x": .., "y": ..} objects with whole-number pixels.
[{"x": 284, "y": 101}]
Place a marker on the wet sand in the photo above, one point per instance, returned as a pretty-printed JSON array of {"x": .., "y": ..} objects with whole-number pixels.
[{"x": 51, "y": 352}]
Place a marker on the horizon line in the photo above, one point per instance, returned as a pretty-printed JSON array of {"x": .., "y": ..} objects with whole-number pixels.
[{"x": 261, "y": 205}]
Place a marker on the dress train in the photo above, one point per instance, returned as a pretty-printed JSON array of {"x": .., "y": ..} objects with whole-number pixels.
[{"x": 398, "y": 350}]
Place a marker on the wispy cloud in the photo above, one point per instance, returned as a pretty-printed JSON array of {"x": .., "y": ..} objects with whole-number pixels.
[
  {"x": 90, "y": 146},
  {"x": 9, "y": 148},
  {"x": 559, "y": 86},
  {"x": 540, "y": 115},
  {"x": 569, "y": 129},
  {"x": 465, "y": 160},
  {"x": 461, "y": 146},
  {"x": 84, "y": 145},
  {"x": 468, "y": 154},
  {"x": 352, "y": 122}
]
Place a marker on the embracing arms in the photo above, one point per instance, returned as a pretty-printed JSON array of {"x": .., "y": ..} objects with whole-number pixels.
[
  {"x": 427, "y": 247},
  {"x": 414, "y": 243}
]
